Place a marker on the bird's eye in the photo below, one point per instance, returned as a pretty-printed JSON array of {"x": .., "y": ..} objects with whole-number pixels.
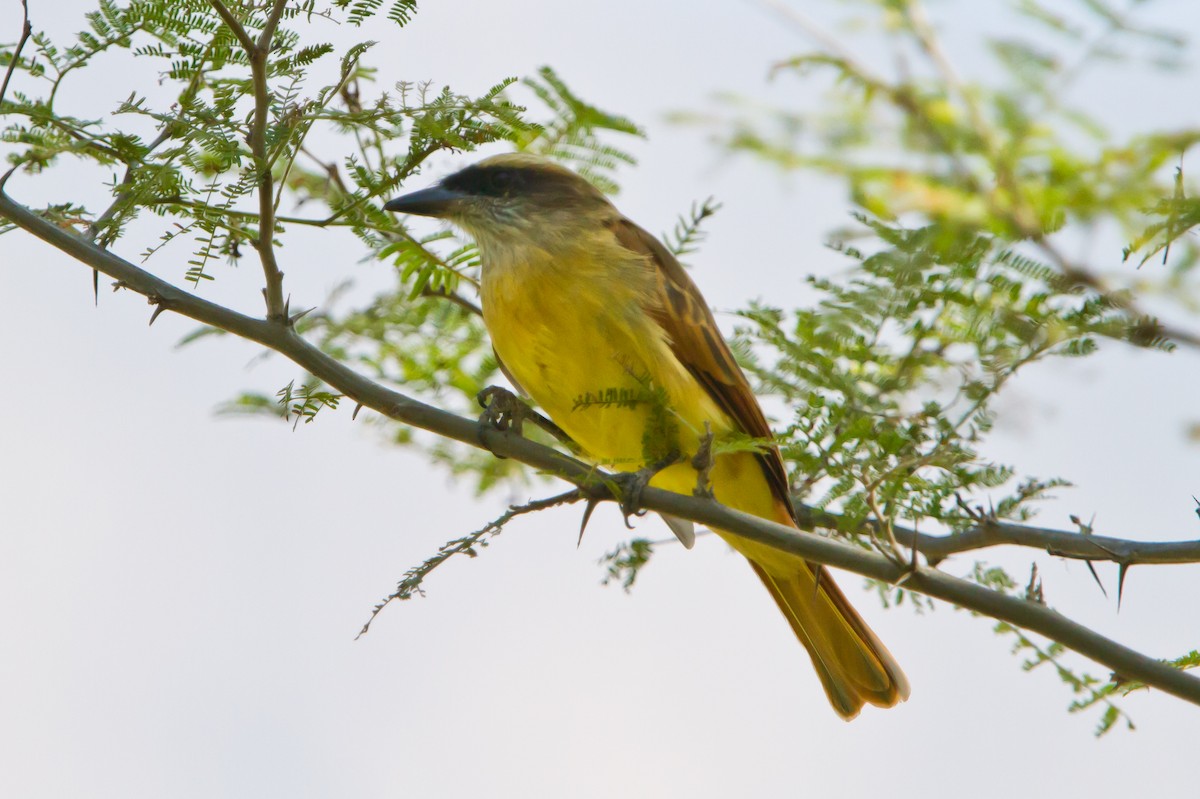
[{"x": 502, "y": 180}]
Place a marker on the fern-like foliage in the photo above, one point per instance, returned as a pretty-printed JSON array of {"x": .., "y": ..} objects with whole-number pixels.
[
  {"x": 359, "y": 11},
  {"x": 955, "y": 283},
  {"x": 969, "y": 196}
]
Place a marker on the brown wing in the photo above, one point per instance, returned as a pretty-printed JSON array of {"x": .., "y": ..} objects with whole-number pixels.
[{"x": 698, "y": 344}]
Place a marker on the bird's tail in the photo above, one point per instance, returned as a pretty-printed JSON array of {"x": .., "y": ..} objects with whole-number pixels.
[{"x": 854, "y": 666}]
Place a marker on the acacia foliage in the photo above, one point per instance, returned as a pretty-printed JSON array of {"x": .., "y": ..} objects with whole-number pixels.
[
  {"x": 963, "y": 193},
  {"x": 968, "y": 194}
]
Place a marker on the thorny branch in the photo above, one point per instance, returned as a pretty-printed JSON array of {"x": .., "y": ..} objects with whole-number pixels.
[
  {"x": 989, "y": 532},
  {"x": 1125, "y": 662},
  {"x": 593, "y": 484}
]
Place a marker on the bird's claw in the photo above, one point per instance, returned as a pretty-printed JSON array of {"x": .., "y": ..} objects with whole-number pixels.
[
  {"x": 504, "y": 410},
  {"x": 631, "y": 486}
]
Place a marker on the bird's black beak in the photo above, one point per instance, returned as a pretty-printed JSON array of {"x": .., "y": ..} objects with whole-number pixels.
[{"x": 435, "y": 201}]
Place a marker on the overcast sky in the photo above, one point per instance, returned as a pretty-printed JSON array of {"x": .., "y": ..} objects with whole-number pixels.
[{"x": 179, "y": 592}]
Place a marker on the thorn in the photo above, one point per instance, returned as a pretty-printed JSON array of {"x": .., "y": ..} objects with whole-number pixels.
[
  {"x": 1033, "y": 591},
  {"x": 296, "y": 317},
  {"x": 96, "y": 286},
  {"x": 1096, "y": 577},
  {"x": 1121, "y": 572},
  {"x": 1197, "y": 501},
  {"x": 357, "y": 408},
  {"x": 160, "y": 306},
  {"x": 587, "y": 515},
  {"x": 287, "y": 305},
  {"x": 975, "y": 514}
]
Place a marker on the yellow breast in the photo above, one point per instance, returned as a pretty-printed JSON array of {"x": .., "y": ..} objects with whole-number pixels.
[{"x": 575, "y": 335}]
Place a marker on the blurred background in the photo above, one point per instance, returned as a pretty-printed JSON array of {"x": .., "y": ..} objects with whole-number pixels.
[{"x": 180, "y": 591}]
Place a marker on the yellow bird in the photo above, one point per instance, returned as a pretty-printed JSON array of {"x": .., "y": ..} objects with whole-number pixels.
[{"x": 596, "y": 321}]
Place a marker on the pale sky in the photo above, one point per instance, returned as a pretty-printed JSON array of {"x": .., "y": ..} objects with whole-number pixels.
[{"x": 179, "y": 592}]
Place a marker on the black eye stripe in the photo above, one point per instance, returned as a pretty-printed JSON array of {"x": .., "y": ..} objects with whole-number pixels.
[
  {"x": 487, "y": 181},
  {"x": 507, "y": 181}
]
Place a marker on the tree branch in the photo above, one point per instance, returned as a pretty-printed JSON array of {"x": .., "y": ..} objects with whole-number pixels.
[
  {"x": 235, "y": 27},
  {"x": 1125, "y": 662},
  {"x": 268, "y": 31},
  {"x": 258, "y": 53},
  {"x": 994, "y": 533},
  {"x": 26, "y": 32}
]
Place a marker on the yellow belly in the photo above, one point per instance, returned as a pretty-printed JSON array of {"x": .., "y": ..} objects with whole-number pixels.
[{"x": 599, "y": 366}]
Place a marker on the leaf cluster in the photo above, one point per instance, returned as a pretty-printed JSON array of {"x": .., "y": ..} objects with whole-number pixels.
[
  {"x": 192, "y": 166},
  {"x": 968, "y": 194},
  {"x": 955, "y": 276}
]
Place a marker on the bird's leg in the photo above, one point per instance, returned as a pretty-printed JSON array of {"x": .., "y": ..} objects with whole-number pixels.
[
  {"x": 504, "y": 410},
  {"x": 702, "y": 462},
  {"x": 632, "y": 484}
]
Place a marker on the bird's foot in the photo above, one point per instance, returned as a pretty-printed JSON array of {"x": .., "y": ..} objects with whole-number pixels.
[
  {"x": 631, "y": 485},
  {"x": 504, "y": 410}
]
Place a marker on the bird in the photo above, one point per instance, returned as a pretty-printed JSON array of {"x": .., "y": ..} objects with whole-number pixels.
[{"x": 594, "y": 320}]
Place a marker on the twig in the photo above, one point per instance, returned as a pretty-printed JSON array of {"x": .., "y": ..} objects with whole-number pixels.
[
  {"x": 410, "y": 584},
  {"x": 1128, "y": 663},
  {"x": 26, "y": 32},
  {"x": 1081, "y": 276},
  {"x": 268, "y": 31},
  {"x": 457, "y": 299},
  {"x": 235, "y": 26},
  {"x": 258, "y": 53},
  {"x": 100, "y": 221},
  {"x": 791, "y": 16}
]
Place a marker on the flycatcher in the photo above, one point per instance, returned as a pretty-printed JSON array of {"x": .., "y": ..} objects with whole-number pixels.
[{"x": 595, "y": 320}]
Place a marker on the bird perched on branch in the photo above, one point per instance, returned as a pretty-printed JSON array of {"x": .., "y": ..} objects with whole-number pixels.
[{"x": 597, "y": 322}]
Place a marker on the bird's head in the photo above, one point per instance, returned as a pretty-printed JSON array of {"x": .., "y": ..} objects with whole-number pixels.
[{"x": 511, "y": 198}]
